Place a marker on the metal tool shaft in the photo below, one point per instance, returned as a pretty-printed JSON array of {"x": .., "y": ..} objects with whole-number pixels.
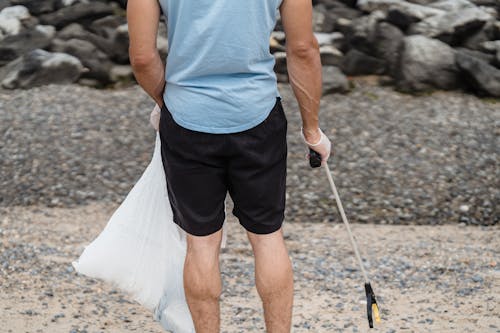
[{"x": 346, "y": 222}]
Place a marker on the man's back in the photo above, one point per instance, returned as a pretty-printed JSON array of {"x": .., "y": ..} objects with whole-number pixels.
[{"x": 219, "y": 70}]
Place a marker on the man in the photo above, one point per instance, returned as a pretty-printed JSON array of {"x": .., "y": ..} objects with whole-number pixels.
[{"x": 223, "y": 128}]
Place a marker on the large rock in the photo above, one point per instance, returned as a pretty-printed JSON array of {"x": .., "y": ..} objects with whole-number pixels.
[
  {"x": 337, "y": 10},
  {"x": 404, "y": 14},
  {"x": 388, "y": 46},
  {"x": 489, "y": 58},
  {"x": 107, "y": 25},
  {"x": 372, "y": 5},
  {"x": 122, "y": 3},
  {"x": 120, "y": 43},
  {"x": 426, "y": 63},
  {"x": 334, "y": 81},
  {"x": 83, "y": 13},
  {"x": 12, "y": 47},
  {"x": 322, "y": 20},
  {"x": 116, "y": 47},
  {"x": 10, "y": 20},
  {"x": 358, "y": 63},
  {"x": 421, "y": 2},
  {"x": 479, "y": 75},
  {"x": 39, "y": 67},
  {"x": 280, "y": 66},
  {"x": 359, "y": 34},
  {"x": 4, "y": 4},
  {"x": 492, "y": 46},
  {"x": 490, "y": 31},
  {"x": 414, "y": 10},
  {"x": 330, "y": 55},
  {"x": 37, "y": 7},
  {"x": 452, "y": 5},
  {"x": 334, "y": 38},
  {"x": 96, "y": 61},
  {"x": 452, "y": 27}
]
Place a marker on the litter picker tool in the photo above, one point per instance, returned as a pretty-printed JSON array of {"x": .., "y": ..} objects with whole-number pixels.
[{"x": 371, "y": 301}]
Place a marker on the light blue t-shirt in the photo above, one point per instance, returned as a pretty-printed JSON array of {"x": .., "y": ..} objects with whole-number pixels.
[{"x": 219, "y": 71}]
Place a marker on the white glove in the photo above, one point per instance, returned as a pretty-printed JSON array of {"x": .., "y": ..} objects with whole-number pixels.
[
  {"x": 322, "y": 147},
  {"x": 154, "y": 117}
]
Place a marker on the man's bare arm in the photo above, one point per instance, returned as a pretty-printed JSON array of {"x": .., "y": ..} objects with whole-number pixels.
[
  {"x": 143, "y": 17},
  {"x": 303, "y": 62}
]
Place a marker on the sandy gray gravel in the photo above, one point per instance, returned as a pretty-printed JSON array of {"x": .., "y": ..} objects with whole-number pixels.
[
  {"x": 428, "y": 278},
  {"x": 418, "y": 177},
  {"x": 399, "y": 159}
]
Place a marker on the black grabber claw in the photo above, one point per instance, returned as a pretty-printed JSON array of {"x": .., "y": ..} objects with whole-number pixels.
[{"x": 371, "y": 305}]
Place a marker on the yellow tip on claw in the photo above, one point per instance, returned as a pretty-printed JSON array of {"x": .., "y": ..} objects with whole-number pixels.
[{"x": 376, "y": 313}]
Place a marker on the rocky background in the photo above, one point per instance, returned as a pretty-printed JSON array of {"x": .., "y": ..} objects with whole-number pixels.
[{"x": 414, "y": 45}]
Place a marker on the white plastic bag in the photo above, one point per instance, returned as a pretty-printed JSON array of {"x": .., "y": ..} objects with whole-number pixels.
[{"x": 141, "y": 250}]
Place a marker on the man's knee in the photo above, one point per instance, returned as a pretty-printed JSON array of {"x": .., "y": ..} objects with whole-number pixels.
[
  {"x": 204, "y": 245},
  {"x": 266, "y": 240},
  {"x": 202, "y": 278}
]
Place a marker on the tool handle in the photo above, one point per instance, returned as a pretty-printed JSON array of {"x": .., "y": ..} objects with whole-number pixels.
[{"x": 314, "y": 158}]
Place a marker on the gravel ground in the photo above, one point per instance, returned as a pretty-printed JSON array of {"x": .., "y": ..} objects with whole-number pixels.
[
  {"x": 427, "y": 278},
  {"x": 399, "y": 159}
]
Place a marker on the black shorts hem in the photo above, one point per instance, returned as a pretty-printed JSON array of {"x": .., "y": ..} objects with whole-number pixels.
[
  {"x": 197, "y": 230},
  {"x": 261, "y": 229}
]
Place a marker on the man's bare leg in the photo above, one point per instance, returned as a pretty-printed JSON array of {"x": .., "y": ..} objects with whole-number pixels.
[
  {"x": 273, "y": 279},
  {"x": 202, "y": 281}
]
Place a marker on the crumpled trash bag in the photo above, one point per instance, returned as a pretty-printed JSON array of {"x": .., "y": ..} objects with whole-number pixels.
[{"x": 141, "y": 250}]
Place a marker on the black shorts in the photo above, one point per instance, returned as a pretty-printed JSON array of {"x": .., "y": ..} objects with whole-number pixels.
[{"x": 202, "y": 167}]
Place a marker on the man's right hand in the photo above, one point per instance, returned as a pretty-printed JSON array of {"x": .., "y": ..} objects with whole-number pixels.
[{"x": 154, "y": 117}]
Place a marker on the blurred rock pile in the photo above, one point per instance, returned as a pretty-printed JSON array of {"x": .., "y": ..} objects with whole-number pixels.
[{"x": 416, "y": 45}]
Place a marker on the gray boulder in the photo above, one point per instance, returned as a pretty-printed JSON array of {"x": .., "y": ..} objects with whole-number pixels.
[
  {"x": 330, "y": 55},
  {"x": 372, "y": 5},
  {"x": 489, "y": 58},
  {"x": 39, "y": 67},
  {"x": 107, "y": 25},
  {"x": 83, "y": 13},
  {"x": 482, "y": 77},
  {"x": 356, "y": 62},
  {"x": 337, "y": 10},
  {"x": 280, "y": 67},
  {"x": 359, "y": 34},
  {"x": 116, "y": 47},
  {"x": 11, "y": 20},
  {"x": 404, "y": 14},
  {"x": 120, "y": 42},
  {"x": 122, "y": 73},
  {"x": 488, "y": 32},
  {"x": 452, "y": 5},
  {"x": 37, "y": 7},
  {"x": 492, "y": 46},
  {"x": 96, "y": 61},
  {"x": 334, "y": 81},
  {"x": 12, "y": 47},
  {"x": 280, "y": 63},
  {"x": 122, "y": 3},
  {"x": 425, "y": 64},
  {"x": 421, "y": 2},
  {"x": 388, "y": 46},
  {"x": 415, "y": 10},
  {"x": 452, "y": 27},
  {"x": 322, "y": 20},
  {"x": 336, "y": 39},
  {"x": 4, "y": 3}
]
